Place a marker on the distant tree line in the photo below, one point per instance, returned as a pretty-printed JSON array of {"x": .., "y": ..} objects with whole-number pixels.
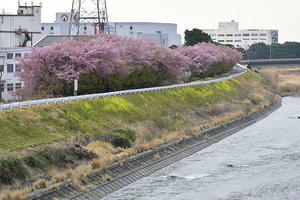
[
  {"x": 256, "y": 51},
  {"x": 275, "y": 51}
]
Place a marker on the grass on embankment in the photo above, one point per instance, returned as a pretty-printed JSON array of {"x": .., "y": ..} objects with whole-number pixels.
[
  {"x": 36, "y": 126},
  {"x": 153, "y": 118}
]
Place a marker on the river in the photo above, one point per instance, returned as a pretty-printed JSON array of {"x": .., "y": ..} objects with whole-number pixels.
[{"x": 259, "y": 162}]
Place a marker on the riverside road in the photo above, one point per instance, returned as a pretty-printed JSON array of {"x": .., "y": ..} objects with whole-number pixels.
[{"x": 259, "y": 162}]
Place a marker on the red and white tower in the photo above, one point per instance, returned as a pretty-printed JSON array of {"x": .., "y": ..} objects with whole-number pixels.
[{"x": 92, "y": 12}]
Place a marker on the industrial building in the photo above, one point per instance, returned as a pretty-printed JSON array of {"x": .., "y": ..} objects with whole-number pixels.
[
  {"x": 163, "y": 33},
  {"x": 18, "y": 32},
  {"x": 229, "y": 33}
]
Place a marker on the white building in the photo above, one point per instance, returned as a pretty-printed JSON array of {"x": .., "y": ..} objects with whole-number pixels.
[
  {"x": 229, "y": 33},
  {"x": 163, "y": 33},
  {"x": 8, "y": 66},
  {"x": 17, "y": 33},
  {"x": 22, "y": 29}
]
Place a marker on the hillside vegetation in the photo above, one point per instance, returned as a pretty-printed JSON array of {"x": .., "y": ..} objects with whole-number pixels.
[
  {"x": 100, "y": 132},
  {"x": 34, "y": 126}
]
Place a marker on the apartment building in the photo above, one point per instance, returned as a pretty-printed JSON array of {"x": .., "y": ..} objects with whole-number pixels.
[
  {"x": 18, "y": 32},
  {"x": 229, "y": 33}
]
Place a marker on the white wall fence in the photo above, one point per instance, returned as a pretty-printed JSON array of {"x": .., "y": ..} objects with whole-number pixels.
[{"x": 31, "y": 103}]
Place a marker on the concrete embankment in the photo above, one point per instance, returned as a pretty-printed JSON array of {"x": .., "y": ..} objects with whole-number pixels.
[{"x": 142, "y": 165}]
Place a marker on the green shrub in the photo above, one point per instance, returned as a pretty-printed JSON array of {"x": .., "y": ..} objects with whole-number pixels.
[
  {"x": 142, "y": 78},
  {"x": 10, "y": 169},
  {"x": 124, "y": 138},
  {"x": 127, "y": 133},
  {"x": 33, "y": 162},
  {"x": 59, "y": 157},
  {"x": 121, "y": 141},
  {"x": 47, "y": 157},
  {"x": 217, "y": 69},
  {"x": 166, "y": 124}
]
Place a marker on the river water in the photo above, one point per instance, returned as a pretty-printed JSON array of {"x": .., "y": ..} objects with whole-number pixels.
[{"x": 259, "y": 162}]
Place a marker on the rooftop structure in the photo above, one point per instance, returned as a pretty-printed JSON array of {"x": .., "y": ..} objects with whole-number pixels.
[{"x": 21, "y": 29}]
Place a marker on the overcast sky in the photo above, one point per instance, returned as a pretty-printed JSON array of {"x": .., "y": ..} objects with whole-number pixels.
[{"x": 283, "y": 15}]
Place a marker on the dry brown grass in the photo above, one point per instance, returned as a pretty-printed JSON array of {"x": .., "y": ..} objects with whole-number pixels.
[
  {"x": 157, "y": 156},
  {"x": 41, "y": 184},
  {"x": 106, "y": 178},
  {"x": 100, "y": 148},
  {"x": 61, "y": 176},
  {"x": 285, "y": 81},
  {"x": 103, "y": 162},
  {"x": 217, "y": 108},
  {"x": 12, "y": 195}
]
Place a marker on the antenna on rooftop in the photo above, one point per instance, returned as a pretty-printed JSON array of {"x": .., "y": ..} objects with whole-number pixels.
[{"x": 92, "y": 12}]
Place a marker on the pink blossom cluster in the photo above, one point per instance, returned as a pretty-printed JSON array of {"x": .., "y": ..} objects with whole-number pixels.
[
  {"x": 60, "y": 64},
  {"x": 204, "y": 55}
]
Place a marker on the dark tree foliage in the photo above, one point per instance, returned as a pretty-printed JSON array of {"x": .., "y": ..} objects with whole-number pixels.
[
  {"x": 143, "y": 78},
  {"x": 195, "y": 36},
  {"x": 174, "y": 46},
  {"x": 275, "y": 51}
]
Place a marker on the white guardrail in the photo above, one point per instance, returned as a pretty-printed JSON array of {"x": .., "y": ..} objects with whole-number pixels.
[{"x": 117, "y": 93}]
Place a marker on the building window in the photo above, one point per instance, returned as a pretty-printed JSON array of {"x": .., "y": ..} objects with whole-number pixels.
[
  {"x": 212, "y": 35},
  {"x": 131, "y": 27},
  {"x": 158, "y": 31},
  {"x": 254, "y": 39},
  {"x": 10, "y": 56},
  {"x": 238, "y": 40},
  {"x": 18, "y": 68},
  {"x": 221, "y": 35},
  {"x": 1, "y": 68},
  {"x": 229, "y": 40},
  {"x": 10, "y": 87},
  {"x": 1, "y": 87},
  {"x": 262, "y": 39},
  {"x": 246, "y": 34},
  {"x": 245, "y": 38},
  {"x": 18, "y": 55},
  {"x": 254, "y": 34},
  {"x": 164, "y": 41},
  {"x": 18, "y": 85},
  {"x": 229, "y": 35},
  {"x": 85, "y": 28},
  {"x": 221, "y": 41},
  {"x": 43, "y": 28},
  {"x": 10, "y": 68},
  {"x": 51, "y": 28},
  {"x": 262, "y": 34},
  {"x": 237, "y": 34}
]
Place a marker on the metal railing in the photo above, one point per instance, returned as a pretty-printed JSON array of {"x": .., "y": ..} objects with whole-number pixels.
[{"x": 31, "y": 103}]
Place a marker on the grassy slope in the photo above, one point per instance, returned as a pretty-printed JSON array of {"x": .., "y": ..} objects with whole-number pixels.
[{"x": 36, "y": 126}]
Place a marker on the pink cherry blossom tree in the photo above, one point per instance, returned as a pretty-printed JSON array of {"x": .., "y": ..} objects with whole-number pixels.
[{"x": 50, "y": 70}]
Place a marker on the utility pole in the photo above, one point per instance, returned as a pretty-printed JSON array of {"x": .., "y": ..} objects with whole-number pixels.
[
  {"x": 1, "y": 82},
  {"x": 89, "y": 13},
  {"x": 271, "y": 51}
]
